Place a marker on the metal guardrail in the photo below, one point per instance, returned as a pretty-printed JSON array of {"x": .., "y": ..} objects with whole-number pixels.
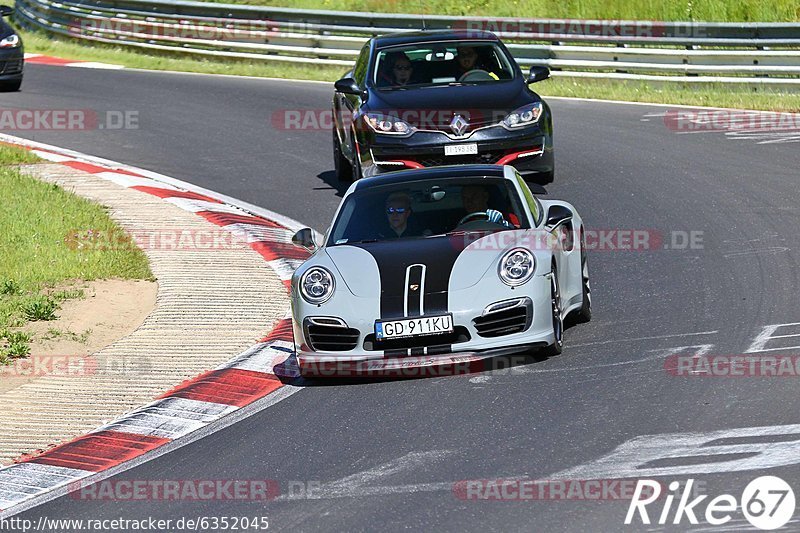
[{"x": 752, "y": 53}]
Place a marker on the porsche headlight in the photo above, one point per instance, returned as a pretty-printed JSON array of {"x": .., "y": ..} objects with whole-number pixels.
[
  {"x": 524, "y": 116},
  {"x": 12, "y": 41},
  {"x": 317, "y": 285},
  {"x": 516, "y": 267},
  {"x": 388, "y": 125}
]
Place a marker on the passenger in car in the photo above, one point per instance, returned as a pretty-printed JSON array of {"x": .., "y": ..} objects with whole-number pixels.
[{"x": 399, "y": 71}]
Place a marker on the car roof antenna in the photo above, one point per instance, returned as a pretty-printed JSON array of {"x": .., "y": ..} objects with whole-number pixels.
[{"x": 422, "y": 8}]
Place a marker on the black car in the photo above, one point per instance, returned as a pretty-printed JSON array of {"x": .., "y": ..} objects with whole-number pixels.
[
  {"x": 424, "y": 99},
  {"x": 12, "y": 56}
]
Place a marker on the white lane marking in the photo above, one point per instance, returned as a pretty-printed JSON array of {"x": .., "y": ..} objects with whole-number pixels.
[
  {"x": 25, "y": 481},
  {"x": 655, "y": 337},
  {"x": 363, "y": 482},
  {"x": 763, "y": 251},
  {"x": 647, "y": 104},
  {"x": 263, "y": 357},
  {"x": 126, "y": 180},
  {"x": 95, "y": 65},
  {"x": 630, "y": 459},
  {"x": 169, "y": 418},
  {"x": 760, "y": 342},
  {"x": 658, "y": 353},
  {"x": 697, "y": 350},
  {"x": 284, "y": 268},
  {"x": 49, "y": 156},
  {"x": 195, "y": 206},
  {"x": 739, "y": 524},
  {"x": 256, "y": 233}
]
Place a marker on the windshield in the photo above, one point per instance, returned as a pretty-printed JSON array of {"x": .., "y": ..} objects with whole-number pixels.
[
  {"x": 432, "y": 64},
  {"x": 427, "y": 208}
]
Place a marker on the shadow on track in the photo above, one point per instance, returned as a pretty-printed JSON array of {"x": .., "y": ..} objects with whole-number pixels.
[{"x": 329, "y": 178}]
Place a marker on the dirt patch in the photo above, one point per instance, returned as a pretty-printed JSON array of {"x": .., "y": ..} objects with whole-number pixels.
[{"x": 110, "y": 310}]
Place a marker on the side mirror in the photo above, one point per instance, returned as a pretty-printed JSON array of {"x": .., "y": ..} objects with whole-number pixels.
[
  {"x": 347, "y": 86},
  {"x": 6, "y": 11},
  {"x": 538, "y": 74},
  {"x": 557, "y": 215},
  {"x": 305, "y": 239}
]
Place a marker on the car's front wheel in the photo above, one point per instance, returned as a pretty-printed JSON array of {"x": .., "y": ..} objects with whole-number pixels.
[
  {"x": 357, "y": 173},
  {"x": 584, "y": 314},
  {"x": 342, "y": 167},
  {"x": 557, "y": 320},
  {"x": 11, "y": 86}
]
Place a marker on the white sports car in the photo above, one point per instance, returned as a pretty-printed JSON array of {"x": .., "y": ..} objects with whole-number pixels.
[{"x": 435, "y": 266}]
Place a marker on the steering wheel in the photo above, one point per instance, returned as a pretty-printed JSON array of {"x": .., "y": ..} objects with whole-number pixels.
[
  {"x": 476, "y": 74},
  {"x": 475, "y": 215}
]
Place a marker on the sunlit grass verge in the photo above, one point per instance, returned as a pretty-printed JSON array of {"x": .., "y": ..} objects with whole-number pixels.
[
  {"x": 37, "y": 257},
  {"x": 716, "y": 95}
]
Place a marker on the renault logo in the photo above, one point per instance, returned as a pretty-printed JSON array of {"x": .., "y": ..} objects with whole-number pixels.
[{"x": 459, "y": 125}]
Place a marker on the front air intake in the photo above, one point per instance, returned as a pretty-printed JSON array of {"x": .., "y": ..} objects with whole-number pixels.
[
  {"x": 328, "y": 334},
  {"x": 505, "y": 318}
]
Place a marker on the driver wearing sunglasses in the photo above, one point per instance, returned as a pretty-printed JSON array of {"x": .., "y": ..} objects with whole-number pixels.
[{"x": 398, "y": 209}]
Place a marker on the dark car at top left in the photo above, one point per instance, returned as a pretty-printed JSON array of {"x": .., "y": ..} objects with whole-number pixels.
[{"x": 12, "y": 56}]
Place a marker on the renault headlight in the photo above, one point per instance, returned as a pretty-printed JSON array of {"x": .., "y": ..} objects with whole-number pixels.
[
  {"x": 12, "y": 41},
  {"x": 317, "y": 285},
  {"x": 388, "y": 125},
  {"x": 524, "y": 116},
  {"x": 516, "y": 267}
]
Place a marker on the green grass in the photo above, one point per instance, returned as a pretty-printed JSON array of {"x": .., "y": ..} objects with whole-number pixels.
[
  {"x": 666, "y": 10},
  {"x": 36, "y": 256}
]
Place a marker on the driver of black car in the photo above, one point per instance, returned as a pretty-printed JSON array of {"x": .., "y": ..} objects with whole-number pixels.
[{"x": 467, "y": 60}]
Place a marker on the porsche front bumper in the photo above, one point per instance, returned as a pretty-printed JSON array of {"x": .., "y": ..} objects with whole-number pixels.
[{"x": 473, "y": 338}]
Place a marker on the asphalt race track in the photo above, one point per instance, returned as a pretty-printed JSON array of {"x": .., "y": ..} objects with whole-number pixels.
[{"x": 386, "y": 455}]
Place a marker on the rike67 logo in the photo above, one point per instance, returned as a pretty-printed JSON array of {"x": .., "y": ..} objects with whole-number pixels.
[{"x": 767, "y": 502}]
